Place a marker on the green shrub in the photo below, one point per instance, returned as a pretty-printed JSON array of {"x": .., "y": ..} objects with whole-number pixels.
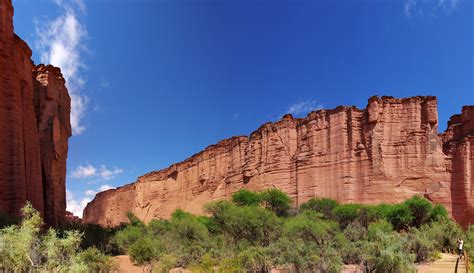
[
  {"x": 276, "y": 201},
  {"x": 439, "y": 213},
  {"x": 245, "y": 197},
  {"x": 205, "y": 265},
  {"x": 166, "y": 263},
  {"x": 321, "y": 205},
  {"x": 158, "y": 227},
  {"x": 377, "y": 228},
  {"x": 255, "y": 259},
  {"x": 187, "y": 229},
  {"x": 143, "y": 251},
  {"x": 95, "y": 261},
  {"x": 254, "y": 225},
  {"x": 346, "y": 213},
  {"x": 232, "y": 265},
  {"x": 128, "y": 236},
  {"x": 134, "y": 220},
  {"x": 443, "y": 234},
  {"x": 308, "y": 229},
  {"x": 421, "y": 210},
  {"x": 355, "y": 232},
  {"x": 24, "y": 249},
  {"x": 304, "y": 256},
  {"x": 418, "y": 243},
  {"x": 400, "y": 216},
  {"x": 385, "y": 252}
]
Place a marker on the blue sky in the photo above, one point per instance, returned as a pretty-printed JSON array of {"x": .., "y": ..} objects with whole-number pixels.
[{"x": 156, "y": 81}]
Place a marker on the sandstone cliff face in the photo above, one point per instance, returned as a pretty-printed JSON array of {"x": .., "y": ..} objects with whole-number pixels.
[
  {"x": 34, "y": 128},
  {"x": 387, "y": 152}
]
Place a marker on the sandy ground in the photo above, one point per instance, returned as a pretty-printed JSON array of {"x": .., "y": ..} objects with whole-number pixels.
[{"x": 124, "y": 265}]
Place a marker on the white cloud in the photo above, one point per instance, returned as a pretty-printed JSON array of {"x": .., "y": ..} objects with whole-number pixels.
[
  {"x": 90, "y": 193},
  {"x": 61, "y": 43},
  {"x": 108, "y": 174},
  {"x": 76, "y": 206},
  {"x": 84, "y": 171},
  {"x": 105, "y": 187},
  {"x": 303, "y": 108},
  {"x": 428, "y": 7},
  {"x": 101, "y": 173}
]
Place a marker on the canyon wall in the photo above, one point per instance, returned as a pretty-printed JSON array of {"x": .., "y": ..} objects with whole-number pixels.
[
  {"x": 387, "y": 152},
  {"x": 34, "y": 128}
]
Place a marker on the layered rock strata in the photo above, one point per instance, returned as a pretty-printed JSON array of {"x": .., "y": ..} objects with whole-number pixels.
[
  {"x": 387, "y": 152},
  {"x": 34, "y": 128}
]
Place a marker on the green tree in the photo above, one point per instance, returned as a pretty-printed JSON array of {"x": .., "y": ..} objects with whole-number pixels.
[
  {"x": 94, "y": 261},
  {"x": 255, "y": 225},
  {"x": 421, "y": 210},
  {"x": 255, "y": 259},
  {"x": 400, "y": 216},
  {"x": 276, "y": 201},
  {"x": 439, "y": 213},
  {"x": 321, "y": 205},
  {"x": 128, "y": 236},
  {"x": 346, "y": 213},
  {"x": 143, "y": 251},
  {"x": 24, "y": 249},
  {"x": 385, "y": 251},
  {"x": 245, "y": 197}
]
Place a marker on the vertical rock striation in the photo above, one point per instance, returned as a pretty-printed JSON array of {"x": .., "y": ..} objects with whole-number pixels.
[
  {"x": 34, "y": 128},
  {"x": 387, "y": 152}
]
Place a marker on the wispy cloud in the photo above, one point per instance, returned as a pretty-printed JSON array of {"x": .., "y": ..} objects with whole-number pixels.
[
  {"x": 90, "y": 193},
  {"x": 61, "y": 43},
  {"x": 303, "y": 107},
  {"x": 428, "y": 8},
  {"x": 101, "y": 173}
]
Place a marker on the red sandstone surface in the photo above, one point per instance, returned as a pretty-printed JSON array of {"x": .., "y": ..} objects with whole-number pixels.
[
  {"x": 387, "y": 152},
  {"x": 34, "y": 128}
]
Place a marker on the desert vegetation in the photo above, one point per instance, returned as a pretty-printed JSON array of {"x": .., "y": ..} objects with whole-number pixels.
[
  {"x": 255, "y": 232},
  {"x": 252, "y": 232},
  {"x": 28, "y": 247}
]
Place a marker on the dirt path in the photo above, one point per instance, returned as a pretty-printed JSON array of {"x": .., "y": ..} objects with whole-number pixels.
[
  {"x": 124, "y": 265},
  {"x": 447, "y": 264}
]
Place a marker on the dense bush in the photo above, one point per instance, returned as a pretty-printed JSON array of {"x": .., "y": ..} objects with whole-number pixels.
[
  {"x": 321, "y": 205},
  {"x": 246, "y": 198},
  {"x": 23, "y": 248},
  {"x": 276, "y": 201},
  {"x": 255, "y": 232}
]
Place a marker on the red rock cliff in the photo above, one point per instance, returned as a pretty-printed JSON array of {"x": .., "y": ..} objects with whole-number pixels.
[
  {"x": 387, "y": 152},
  {"x": 34, "y": 128}
]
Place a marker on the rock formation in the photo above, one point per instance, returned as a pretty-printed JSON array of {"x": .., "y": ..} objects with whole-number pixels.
[
  {"x": 387, "y": 152},
  {"x": 34, "y": 122}
]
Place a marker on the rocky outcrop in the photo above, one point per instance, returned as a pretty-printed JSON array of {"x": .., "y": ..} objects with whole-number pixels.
[
  {"x": 459, "y": 146},
  {"x": 387, "y": 152},
  {"x": 71, "y": 218},
  {"x": 34, "y": 122}
]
